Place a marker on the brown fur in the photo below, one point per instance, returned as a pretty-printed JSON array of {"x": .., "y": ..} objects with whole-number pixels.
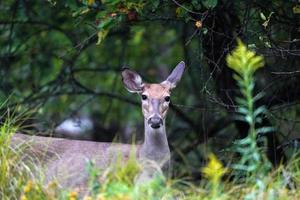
[
  {"x": 66, "y": 160},
  {"x": 156, "y": 91}
]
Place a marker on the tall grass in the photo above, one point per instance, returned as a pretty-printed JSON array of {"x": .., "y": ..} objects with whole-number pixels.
[
  {"x": 17, "y": 177},
  {"x": 253, "y": 176},
  {"x": 13, "y": 172}
]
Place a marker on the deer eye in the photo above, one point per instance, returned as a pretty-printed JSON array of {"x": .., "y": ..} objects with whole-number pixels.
[
  {"x": 167, "y": 98},
  {"x": 144, "y": 97}
]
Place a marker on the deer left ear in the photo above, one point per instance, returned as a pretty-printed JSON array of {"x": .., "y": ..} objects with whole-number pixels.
[
  {"x": 175, "y": 75},
  {"x": 132, "y": 81}
]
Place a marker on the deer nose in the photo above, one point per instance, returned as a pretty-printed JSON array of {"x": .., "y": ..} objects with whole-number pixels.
[{"x": 155, "y": 122}]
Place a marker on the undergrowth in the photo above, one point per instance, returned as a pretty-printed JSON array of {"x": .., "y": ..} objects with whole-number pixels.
[{"x": 249, "y": 177}]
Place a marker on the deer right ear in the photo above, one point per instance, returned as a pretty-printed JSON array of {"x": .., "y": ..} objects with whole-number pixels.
[{"x": 132, "y": 81}]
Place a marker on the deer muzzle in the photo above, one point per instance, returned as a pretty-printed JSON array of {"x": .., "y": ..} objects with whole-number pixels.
[{"x": 155, "y": 122}]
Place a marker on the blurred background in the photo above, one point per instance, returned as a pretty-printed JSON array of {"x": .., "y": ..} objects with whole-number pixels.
[{"x": 62, "y": 60}]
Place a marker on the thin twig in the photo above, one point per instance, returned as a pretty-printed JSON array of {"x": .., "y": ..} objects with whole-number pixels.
[{"x": 286, "y": 73}]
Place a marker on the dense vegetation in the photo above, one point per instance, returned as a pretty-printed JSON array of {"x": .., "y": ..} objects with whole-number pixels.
[{"x": 62, "y": 59}]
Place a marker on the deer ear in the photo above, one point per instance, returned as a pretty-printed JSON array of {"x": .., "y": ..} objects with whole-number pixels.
[
  {"x": 175, "y": 75},
  {"x": 132, "y": 80}
]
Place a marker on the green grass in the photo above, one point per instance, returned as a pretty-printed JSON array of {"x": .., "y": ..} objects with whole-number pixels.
[{"x": 18, "y": 181}]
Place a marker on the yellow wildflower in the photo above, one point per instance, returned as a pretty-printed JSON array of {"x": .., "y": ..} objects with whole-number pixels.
[
  {"x": 198, "y": 24},
  {"x": 87, "y": 198},
  {"x": 91, "y": 2},
  {"x": 214, "y": 170},
  {"x": 73, "y": 195},
  {"x": 28, "y": 186},
  {"x": 244, "y": 61},
  {"x": 23, "y": 197},
  {"x": 100, "y": 197}
]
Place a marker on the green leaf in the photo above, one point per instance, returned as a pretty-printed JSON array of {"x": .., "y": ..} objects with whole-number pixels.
[
  {"x": 80, "y": 11},
  {"x": 240, "y": 118},
  {"x": 155, "y": 4},
  {"x": 240, "y": 167},
  {"x": 296, "y": 9},
  {"x": 196, "y": 4},
  {"x": 105, "y": 24},
  {"x": 258, "y": 96},
  {"x": 258, "y": 119},
  {"x": 248, "y": 119},
  {"x": 101, "y": 35},
  {"x": 259, "y": 110},
  {"x": 241, "y": 101},
  {"x": 262, "y": 16},
  {"x": 256, "y": 156},
  {"x": 245, "y": 141},
  {"x": 264, "y": 130},
  {"x": 204, "y": 31},
  {"x": 210, "y": 3},
  {"x": 243, "y": 110}
]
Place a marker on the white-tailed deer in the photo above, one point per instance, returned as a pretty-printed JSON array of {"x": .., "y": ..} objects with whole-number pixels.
[{"x": 66, "y": 159}]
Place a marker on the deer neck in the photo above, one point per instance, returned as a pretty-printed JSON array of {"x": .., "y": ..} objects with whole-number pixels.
[{"x": 155, "y": 146}]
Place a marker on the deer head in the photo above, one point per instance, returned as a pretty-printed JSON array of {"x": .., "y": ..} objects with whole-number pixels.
[{"x": 155, "y": 97}]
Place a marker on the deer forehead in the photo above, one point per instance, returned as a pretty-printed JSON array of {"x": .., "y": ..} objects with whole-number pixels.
[{"x": 156, "y": 91}]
